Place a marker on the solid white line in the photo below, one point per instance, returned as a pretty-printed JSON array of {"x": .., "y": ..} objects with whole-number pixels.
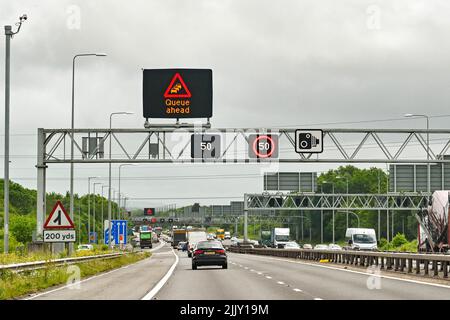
[
  {"x": 88, "y": 279},
  {"x": 357, "y": 272},
  {"x": 163, "y": 281},
  {"x": 317, "y": 299},
  {"x": 158, "y": 247}
]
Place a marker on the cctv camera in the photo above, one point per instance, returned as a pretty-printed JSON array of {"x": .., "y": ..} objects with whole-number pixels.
[{"x": 23, "y": 17}]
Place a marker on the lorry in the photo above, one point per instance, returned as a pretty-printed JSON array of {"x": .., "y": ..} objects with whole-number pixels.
[
  {"x": 227, "y": 235},
  {"x": 194, "y": 236},
  {"x": 145, "y": 238},
  {"x": 158, "y": 231},
  {"x": 266, "y": 238},
  {"x": 433, "y": 223},
  {"x": 220, "y": 234},
  {"x": 177, "y": 236},
  {"x": 361, "y": 239},
  {"x": 279, "y": 237}
]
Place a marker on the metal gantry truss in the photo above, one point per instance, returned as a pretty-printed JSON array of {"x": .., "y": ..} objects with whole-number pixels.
[
  {"x": 324, "y": 201},
  {"x": 174, "y": 144}
]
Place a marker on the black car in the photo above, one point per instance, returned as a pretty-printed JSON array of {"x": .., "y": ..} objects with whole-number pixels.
[{"x": 209, "y": 253}]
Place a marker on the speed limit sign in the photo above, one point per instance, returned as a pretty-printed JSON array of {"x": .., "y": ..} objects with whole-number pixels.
[
  {"x": 205, "y": 146},
  {"x": 263, "y": 146}
]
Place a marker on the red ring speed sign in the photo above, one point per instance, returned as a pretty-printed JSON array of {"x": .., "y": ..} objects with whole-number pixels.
[{"x": 271, "y": 146}]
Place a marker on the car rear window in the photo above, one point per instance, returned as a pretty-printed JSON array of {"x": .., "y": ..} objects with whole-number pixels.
[{"x": 209, "y": 245}]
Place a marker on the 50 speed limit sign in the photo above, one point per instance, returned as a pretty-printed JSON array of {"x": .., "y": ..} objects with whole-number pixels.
[
  {"x": 263, "y": 146},
  {"x": 205, "y": 146}
]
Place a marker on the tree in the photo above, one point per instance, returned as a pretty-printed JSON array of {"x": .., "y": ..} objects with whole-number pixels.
[{"x": 22, "y": 227}]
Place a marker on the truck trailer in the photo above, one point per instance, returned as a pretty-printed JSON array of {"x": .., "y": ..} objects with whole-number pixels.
[
  {"x": 279, "y": 237},
  {"x": 433, "y": 227},
  {"x": 178, "y": 235},
  {"x": 145, "y": 238}
]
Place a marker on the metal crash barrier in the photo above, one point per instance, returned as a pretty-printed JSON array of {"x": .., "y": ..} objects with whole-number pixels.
[{"x": 434, "y": 265}]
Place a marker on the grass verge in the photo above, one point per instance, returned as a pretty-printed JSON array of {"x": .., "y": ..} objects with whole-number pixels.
[{"x": 17, "y": 284}]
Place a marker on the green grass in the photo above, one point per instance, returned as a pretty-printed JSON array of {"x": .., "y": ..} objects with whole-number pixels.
[
  {"x": 17, "y": 284},
  {"x": 20, "y": 257}
]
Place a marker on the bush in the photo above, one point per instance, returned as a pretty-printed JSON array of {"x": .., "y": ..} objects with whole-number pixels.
[
  {"x": 409, "y": 247},
  {"x": 383, "y": 242},
  {"x": 399, "y": 240},
  {"x": 22, "y": 227}
]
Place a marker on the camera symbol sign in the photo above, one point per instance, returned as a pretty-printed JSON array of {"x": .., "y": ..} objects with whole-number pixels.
[{"x": 308, "y": 141}]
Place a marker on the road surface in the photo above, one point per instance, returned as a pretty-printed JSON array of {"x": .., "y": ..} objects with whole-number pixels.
[
  {"x": 131, "y": 282},
  {"x": 247, "y": 277}
]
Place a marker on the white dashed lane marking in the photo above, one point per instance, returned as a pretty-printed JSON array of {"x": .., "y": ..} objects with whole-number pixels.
[{"x": 280, "y": 282}]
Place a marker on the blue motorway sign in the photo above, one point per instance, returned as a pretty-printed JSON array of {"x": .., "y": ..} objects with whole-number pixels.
[
  {"x": 119, "y": 232},
  {"x": 93, "y": 237}
]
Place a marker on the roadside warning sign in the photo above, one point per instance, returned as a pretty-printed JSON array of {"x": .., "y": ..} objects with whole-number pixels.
[
  {"x": 177, "y": 88},
  {"x": 58, "y": 218}
]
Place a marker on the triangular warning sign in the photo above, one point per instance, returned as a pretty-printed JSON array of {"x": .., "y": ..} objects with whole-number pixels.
[
  {"x": 177, "y": 88},
  {"x": 58, "y": 218}
]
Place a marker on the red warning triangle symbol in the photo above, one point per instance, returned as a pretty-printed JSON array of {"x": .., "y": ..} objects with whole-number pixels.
[
  {"x": 58, "y": 218},
  {"x": 177, "y": 88}
]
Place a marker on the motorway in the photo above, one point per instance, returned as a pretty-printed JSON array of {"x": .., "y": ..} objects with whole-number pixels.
[{"x": 163, "y": 277}]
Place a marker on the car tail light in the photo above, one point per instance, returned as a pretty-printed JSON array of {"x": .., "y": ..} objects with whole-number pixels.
[
  {"x": 197, "y": 252},
  {"x": 221, "y": 251}
]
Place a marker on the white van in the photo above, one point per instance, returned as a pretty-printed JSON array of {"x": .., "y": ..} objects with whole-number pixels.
[{"x": 361, "y": 239}]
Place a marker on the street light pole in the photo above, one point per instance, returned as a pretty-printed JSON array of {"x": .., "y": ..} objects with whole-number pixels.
[
  {"x": 411, "y": 115},
  {"x": 95, "y": 202},
  {"x": 73, "y": 126},
  {"x": 89, "y": 208},
  {"x": 321, "y": 227},
  {"x": 103, "y": 221},
  {"x": 120, "y": 167},
  {"x": 354, "y": 213},
  {"x": 8, "y": 36},
  {"x": 109, "y": 175}
]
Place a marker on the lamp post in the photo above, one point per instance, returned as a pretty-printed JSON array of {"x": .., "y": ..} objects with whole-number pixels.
[
  {"x": 346, "y": 178},
  {"x": 8, "y": 36},
  {"x": 95, "y": 196},
  {"x": 354, "y": 213},
  {"x": 125, "y": 205},
  {"x": 120, "y": 167},
  {"x": 411, "y": 115},
  {"x": 89, "y": 207},
  {"x": 73, "y": 124},
  {"x": 321, "y": 226},
  {"x": 103, "y": 221},
  {"x": 109, "y": 174}
]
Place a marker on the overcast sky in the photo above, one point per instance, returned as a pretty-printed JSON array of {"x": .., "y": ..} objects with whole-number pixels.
[{"x": 275, "y": 63}]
